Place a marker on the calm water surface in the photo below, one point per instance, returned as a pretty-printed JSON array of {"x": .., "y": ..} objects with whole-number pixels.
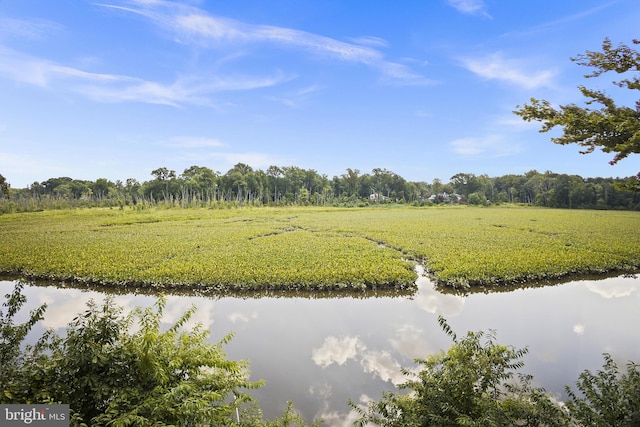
[{"x": 322, "y": 352}]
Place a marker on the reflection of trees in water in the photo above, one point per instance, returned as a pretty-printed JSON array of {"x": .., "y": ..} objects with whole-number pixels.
[
  {"x": 509, "y": 287},
  {"x": 303, "y": 291}
]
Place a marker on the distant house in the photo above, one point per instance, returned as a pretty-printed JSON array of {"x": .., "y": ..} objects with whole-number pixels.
[
  {"x": 376, "y": 197},
  {"x": 446, "y": 197}
]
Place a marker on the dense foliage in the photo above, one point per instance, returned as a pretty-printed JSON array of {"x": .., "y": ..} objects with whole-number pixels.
[
  {"x": 243, "y": 186},
  {"x": 612, "y": 127},
  {"x": 607, "y": 398},
  {"x": 476, "y": 383},
  {"x": 316, "y": 248},
  {"x": 125, "y": 370}
]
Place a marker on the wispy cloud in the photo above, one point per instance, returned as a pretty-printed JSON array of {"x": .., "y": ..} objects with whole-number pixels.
[
  {"x": 295, "y": 98},
  {"x": 115, "y": 88},
  {"x": 512, "y": 71},
  {"x": 193, "y": 26},
  {"x": 566, "y": 19},
  {"x": 370, "y": 41},
  {"x": 493, "y": 145},
  {"x": 36, "y": 29},
  {"x": 470, "y": 7}
]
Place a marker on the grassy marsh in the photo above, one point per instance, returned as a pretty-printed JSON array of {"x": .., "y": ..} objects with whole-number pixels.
[{"x": 316, "y": 248}]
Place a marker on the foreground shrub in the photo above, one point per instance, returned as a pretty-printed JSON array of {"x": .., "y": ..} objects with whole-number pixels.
[
  {"x": 112, "y": 375},
  {"x": 476, "y": 383},
  {"x": 607, "y": 398}
]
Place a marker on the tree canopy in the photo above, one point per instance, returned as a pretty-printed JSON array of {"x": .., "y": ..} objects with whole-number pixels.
[{"x": 602, "y": 123}]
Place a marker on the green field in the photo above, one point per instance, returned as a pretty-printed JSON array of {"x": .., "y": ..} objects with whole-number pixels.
[{"x": 316, "y": 248}]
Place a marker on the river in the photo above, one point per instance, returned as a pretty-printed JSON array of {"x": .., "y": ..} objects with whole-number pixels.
[{"x": 320, "y": 352}]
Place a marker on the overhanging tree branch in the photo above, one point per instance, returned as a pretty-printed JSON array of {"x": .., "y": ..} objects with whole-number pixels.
[{"x": 602, "y": 123}]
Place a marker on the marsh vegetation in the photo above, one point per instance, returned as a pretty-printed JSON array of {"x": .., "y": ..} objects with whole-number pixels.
[{"x": 316, "y": 248}]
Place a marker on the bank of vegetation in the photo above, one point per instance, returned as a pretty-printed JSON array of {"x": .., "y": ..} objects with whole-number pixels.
[
  {"x": 199, "y": 186},
  {"x": 314, "y": 248},
  {"x": 125, "y": 370}
]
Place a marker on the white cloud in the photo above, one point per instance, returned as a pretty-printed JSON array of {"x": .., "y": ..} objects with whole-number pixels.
[
  {"x": 178, "y": 305},
  {"x": 198, "y": 27},
  {"x": 402, "y": 75},
  {"x": 409, "y": 342},
  {"x": 337, "y": 350},
  {"x": 489, "y": 146},
  {"x": 190, "y": 25},
  {"x": 382, "y": 364},
  {"x": 470, "y": 7},
  {"x": 512, "y": 71},
  {"x": 340, "y": 419},
  {"x": 345, "y": 419},
  {"x": 430, "y": 300},
  {"x": 613, "y": 288},
  {"x": 370, "y": 41},
  {"x": 241, "y": 317},
  {"x": 115, "y": 88}
]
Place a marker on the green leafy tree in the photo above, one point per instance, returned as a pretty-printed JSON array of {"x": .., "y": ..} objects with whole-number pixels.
[
  {"x": 465, "y": 183},
  {"x": 4, "y": 187},
  {"x": 18, "y": 366},
  {"x": 613, "y": 128},
  {"x": 165, "y": 178},
  {"x": 607, "y": 398},
  {"x": 474, "y": 383}
]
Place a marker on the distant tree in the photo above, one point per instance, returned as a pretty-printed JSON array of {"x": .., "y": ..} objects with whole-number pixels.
[
  {"x": 238, "y": 178},
  {"x": 199, "y": 180},
  {"x": 274, "y": 172},
  {"x": 51, "y": 184},
  {"x": 165, "y": 178},
  {"x": 4, "y": 186},
  {"x": 36, "y": 189},
  {"x": 101, "y": 188},
  {"x": 478, "y": 198},
  {"x": 350, "y": 181},
  {"x": 465, "y": 183},
  {"x": 132, "y": 189},
  {"x": 613, "y": 128}
]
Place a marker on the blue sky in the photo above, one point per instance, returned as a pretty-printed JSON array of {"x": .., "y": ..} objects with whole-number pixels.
[{"x": 116, "y": 88}]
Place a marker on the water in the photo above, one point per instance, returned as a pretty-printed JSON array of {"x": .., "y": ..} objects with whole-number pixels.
[{"x": 322, "y": 352}]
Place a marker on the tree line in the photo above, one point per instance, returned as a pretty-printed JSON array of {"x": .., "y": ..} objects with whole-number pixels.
[{"x": 200, "y": 186}]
